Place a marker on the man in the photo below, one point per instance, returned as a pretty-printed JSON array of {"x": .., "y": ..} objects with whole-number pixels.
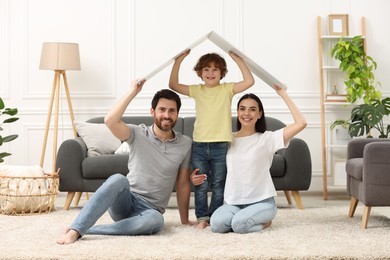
[{"x": 158, "y": 158}]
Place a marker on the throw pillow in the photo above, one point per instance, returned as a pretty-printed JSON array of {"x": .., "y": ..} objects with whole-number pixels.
[
  {"x": 22, "y": 195},
  {"x": 98, "y": 138},
  {"x": 123, "y": 149}
]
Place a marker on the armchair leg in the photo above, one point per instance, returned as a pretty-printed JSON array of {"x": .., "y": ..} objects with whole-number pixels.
[
  {"x": 288, "y": 197},
  {"x": 68, "y": 200},
  {"x": 77, "y": 198},
  {"x": 352, "y": 207},
  {"x": 297, "y": 198},
  {"x": 366, "y": 216}
]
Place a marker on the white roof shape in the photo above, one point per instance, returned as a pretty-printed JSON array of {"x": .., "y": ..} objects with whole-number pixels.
[{"x": 225, "y": 46}]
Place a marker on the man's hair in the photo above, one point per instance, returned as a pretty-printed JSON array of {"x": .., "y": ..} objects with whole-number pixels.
[
  {"x": 260, "y": 125},
  {"x": 209, "y": 58},
  {"x": 167, "y": 94}
]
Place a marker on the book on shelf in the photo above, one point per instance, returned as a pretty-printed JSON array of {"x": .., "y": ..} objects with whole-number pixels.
[{"x": 336, "y": 98}]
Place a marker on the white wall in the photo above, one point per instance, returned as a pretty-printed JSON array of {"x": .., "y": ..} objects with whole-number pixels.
[{"x": 121, "y": 40}]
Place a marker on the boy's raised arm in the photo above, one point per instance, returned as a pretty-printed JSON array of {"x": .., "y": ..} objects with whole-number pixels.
[
  {"x": 174, "y": 78},
  {"x": 248, "y": 79}
]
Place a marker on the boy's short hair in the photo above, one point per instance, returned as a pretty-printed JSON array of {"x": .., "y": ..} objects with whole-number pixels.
[
  {"x": 167, "y": 94},
  {"x": 209, "y": 58}
]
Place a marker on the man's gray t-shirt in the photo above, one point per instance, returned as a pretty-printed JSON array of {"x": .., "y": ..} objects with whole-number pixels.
[{"x": 154, "y": 164}]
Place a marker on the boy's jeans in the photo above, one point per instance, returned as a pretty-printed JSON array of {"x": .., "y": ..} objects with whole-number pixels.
[
  {"x": 132, "y": 215},
  {"x": 210, "y": 158}
]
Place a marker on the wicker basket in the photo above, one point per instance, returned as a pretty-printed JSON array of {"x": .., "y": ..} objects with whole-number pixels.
[{"x": 28, "y": 195}]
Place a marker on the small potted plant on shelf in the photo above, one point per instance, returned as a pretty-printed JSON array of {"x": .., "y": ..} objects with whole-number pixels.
[
  {"x": 361, "y": 85},
  {"x": 10, "y": 112},
  {"x": 359, "y": 68}
]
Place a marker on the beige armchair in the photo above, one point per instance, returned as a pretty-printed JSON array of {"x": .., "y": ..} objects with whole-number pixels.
[{"x": 368, "y": 175}]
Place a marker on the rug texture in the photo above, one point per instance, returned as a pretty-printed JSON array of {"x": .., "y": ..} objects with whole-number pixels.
[{"x": 313, "y": 233}]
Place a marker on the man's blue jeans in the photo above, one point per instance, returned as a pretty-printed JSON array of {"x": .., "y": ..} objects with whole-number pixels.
[
  {"x": 131, "y": 215},
  {"x": 243, "y": 218},
  {"x": 210, "y": 158}
]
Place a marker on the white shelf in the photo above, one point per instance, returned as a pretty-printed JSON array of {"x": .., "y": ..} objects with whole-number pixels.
[
  {"x": 343, "y": 146},
  {"x": 336, "y": 103},
  {"x": 330, "y": 67},
  {"x": 330, "y": 77},
  {"x": 337, "y": 37}
]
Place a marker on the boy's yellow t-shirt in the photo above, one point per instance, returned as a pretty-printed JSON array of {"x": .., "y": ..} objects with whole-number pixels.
[{"x": 213, "y": 106}]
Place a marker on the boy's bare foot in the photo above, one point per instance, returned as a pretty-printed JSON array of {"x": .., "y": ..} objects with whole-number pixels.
[
  {"x": 267, "y": 224},
  {"x": 70, "y": 237},
  {"x": 202, "y": 224}
]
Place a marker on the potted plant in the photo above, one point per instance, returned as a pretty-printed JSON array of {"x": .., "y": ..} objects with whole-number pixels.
[
  {"x": 10, "y": 112},
  {"x": 359, "y": 68},
  {"x": 360, "y": 83},
  {"x": 365, "y": 117}
]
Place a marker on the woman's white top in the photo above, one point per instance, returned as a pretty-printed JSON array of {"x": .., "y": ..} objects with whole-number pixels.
[{"x": 248, "y": 161}]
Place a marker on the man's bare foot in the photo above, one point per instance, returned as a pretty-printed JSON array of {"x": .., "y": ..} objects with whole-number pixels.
[
  {"x": 267, "y": 224},
  {"x": 202, "y": 224},
  {"x": 70, "y": 237}
]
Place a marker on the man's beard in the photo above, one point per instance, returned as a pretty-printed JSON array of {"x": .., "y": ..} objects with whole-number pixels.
[{"x": 164, "y": 128}]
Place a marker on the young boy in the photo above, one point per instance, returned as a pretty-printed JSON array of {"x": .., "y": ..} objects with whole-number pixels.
[{"x": 213, "y": 125}]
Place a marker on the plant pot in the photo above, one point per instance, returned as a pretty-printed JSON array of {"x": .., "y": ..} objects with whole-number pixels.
[{"x": 342, "y": 136}]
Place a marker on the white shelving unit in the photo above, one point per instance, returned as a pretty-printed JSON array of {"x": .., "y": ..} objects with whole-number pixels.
[{"x": 332, "y": 97}]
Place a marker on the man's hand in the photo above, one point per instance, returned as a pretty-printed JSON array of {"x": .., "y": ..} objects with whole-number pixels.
[
  {"x": 136, "y": 86},
  {"x": 197, "y": 179}
]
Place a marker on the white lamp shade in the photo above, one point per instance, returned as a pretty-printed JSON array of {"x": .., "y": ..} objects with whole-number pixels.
[{"x": 60, "y": 56}]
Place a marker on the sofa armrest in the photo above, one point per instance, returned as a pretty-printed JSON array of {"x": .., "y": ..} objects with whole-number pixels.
[
  {"x": 70, "y": 156},
  {"x": 376, "y": 163},
  {"x": 298, "y": 167}
]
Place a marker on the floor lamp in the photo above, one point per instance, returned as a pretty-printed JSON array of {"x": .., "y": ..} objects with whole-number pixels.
[{"x": 58, "y": 56}]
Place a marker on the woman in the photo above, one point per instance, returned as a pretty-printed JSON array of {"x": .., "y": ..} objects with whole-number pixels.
[{"x": 249, "y": 204}]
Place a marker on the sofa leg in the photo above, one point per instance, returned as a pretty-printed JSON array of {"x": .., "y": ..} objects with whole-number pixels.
[
  {"x": 352, "y": 207},
  {"x": 366, "y": 216},
  {"x": 297, "y": 198},
  {"x": 77, "y": 198},
  {"x": 68, "y": 200},
  {"x": 288, "y": 197}
]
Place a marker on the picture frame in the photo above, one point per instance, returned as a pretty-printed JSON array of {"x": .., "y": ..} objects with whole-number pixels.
[{"x": 338, "y": 24}]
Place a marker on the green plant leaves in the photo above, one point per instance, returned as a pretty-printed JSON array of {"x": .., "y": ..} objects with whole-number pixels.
[
  {"x": 10, "y": 112},
  {"x": 359, "y": 67}
]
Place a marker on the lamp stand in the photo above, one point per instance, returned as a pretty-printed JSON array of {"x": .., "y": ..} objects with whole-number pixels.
[{"x": 55, "y": 95}]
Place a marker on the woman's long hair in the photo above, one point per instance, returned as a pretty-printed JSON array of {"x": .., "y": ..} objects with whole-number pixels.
[{"x": 260, "y": 125}]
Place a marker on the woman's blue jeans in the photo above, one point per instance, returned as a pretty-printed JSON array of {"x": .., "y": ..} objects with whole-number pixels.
[
  {"x": 210, "y": 158},
  {"x": 131, "y": 215},
  {"x": 243, "y": 218}
]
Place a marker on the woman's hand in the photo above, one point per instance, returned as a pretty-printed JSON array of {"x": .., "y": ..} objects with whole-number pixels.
[{"x": 280, "y": 90}]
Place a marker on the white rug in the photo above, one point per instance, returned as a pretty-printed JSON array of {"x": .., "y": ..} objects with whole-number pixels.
[{"x": 313, "y": 233}]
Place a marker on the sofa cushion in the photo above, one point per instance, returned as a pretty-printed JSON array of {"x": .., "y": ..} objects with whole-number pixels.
[
  {"x": 123, "y": 149},
  {"x": 98, "y": 138},
  {"x": 104, "y": 166}
]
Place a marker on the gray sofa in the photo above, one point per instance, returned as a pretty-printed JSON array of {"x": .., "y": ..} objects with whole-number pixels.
[{"x": 290, "y": 170}]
